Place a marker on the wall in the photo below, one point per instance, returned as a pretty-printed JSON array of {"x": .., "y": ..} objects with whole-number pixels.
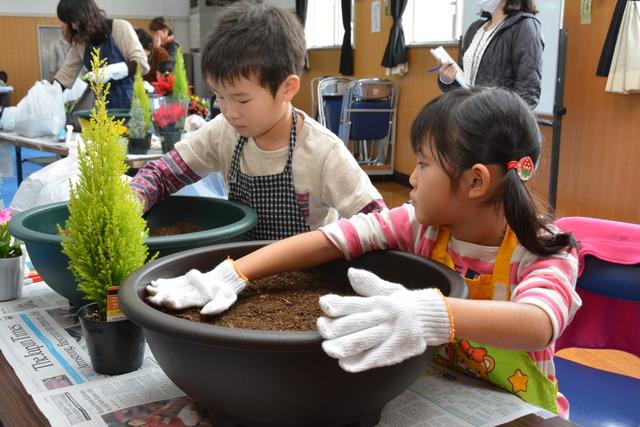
[
  {"x": 19, "y": 31},
  {"x": 599, "y": 147}
]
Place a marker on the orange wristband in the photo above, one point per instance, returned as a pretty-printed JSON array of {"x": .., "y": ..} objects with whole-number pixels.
[
  {"x": 238, "y": 272},
  {"x": 452, "y": 326}
]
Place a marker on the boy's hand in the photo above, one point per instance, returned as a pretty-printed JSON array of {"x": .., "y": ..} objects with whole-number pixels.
[
  {"x": 390, "y": 324},
  {"x": 215, "y": 290},
  {"x": 115, "y": 71}
]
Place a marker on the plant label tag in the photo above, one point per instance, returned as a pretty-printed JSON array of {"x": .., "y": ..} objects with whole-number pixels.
[{"x": 113, "y": 309}]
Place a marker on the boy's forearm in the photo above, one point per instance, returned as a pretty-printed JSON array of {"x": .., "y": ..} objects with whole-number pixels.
[
  {"x": 503, "y": 324},
  {"x": 294, "y": 253}
]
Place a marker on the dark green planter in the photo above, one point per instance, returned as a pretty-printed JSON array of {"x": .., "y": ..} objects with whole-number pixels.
[{"x": 222, "y": 220}]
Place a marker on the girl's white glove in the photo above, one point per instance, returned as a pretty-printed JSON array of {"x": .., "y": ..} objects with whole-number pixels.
[
  {"x": 390, "y": 324},
  {"x": 115, "y": 71},
  {"x": 214, "y": 291}
]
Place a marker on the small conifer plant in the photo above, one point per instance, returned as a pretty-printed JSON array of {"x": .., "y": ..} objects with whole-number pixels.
[
  {"x": 105, "y": 228},
  {"x": 180, "y": 82},
  {"x": 137, "y": 127},
  {"x": 140, "y": 94}
]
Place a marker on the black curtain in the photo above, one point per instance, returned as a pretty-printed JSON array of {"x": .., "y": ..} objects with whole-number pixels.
[
  {"x": 610, "y": 42},
  {"x": 301, "y": 11},
  {"x": 396, "y": 51},
  {"x": 346, "y": 54}
]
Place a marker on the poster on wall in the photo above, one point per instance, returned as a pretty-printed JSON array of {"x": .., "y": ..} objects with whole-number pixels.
[{"x": 52, "y": 48}]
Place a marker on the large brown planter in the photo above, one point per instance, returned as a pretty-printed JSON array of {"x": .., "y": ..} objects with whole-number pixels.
[{"x": 260, "y": 378}]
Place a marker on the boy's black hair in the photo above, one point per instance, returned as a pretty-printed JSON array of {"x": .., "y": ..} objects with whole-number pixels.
[
  {"x": 254, "y": 40},
  {"x": 145, "y": 39},
  {"x": 4, "y": 76},
  {"x": 491, "y": 126},
  {"x": 93, "y": 25}
]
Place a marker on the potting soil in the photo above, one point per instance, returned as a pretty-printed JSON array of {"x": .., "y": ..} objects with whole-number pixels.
[
  {"x": 172, "y": 230},
  {"x": 283, "y": 302}
]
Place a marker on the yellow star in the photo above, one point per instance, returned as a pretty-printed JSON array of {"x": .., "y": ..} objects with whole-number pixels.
[{"x": 518, "y": 381}]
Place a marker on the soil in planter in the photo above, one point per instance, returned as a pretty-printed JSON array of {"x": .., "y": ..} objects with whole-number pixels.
[
  {"x": 172, "y": 230},
  {"x": 283, "y": 302}
]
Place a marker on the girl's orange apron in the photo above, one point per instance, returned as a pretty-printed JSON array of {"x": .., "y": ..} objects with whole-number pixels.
[{"x": 514, "y": 371}]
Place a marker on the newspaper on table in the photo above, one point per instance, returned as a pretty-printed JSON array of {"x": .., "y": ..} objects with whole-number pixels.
[{"x": 41, "y": 340}]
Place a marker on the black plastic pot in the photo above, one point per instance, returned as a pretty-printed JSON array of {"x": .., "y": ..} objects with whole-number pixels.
[
  {"x": 139, "y": 145},
  {"x": 114, "y": 347},
  {"x": 260, "y": 378}
]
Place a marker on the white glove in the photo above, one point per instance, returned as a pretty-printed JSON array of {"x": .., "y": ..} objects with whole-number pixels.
[
  {"x": 388, "y": 326},
  {"x": 115, "y": 71},
  {"x": 148, "y": 87},
  {"x": 215, "y": 290}
]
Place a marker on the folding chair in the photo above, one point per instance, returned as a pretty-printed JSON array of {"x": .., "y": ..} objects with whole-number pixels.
[
  {"x": 609, "y": 285},
  {"x": 330, "y": 91},
  {"x": 368, "y": 123}
]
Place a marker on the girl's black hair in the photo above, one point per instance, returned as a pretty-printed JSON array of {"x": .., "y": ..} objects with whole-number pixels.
[
  {"x": 491, "y": 126},
  {"x": 93, "y": 25}
]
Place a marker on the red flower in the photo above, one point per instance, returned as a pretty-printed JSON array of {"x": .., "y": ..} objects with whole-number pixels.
[
  {"x": 164, "y": 84},
  {"x": 168, "y": 114}
]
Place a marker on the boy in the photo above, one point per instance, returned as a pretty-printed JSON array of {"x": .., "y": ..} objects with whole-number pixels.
[{"x": 295, "y": 173}]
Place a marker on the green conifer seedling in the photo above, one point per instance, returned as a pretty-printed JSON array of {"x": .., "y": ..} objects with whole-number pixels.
[
  {"x": 105, "y": 229},
  {"x": 180, "y": 82},
  {"x": 140, "y": 94}
]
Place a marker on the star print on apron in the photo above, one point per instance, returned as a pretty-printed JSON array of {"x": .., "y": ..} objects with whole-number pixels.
[
  {"x": 513, "y": 371},
  {"x": 273, "y": 197}
]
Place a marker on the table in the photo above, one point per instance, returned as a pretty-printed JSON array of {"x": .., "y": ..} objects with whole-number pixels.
[
  {"x": 49, "y": 144},
  {"x": 18, "y": 409}
]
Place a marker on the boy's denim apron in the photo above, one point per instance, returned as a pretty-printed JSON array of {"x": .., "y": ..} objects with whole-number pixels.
[
  {"x": 272, "y": 196},
  {"x": 513, "y": 371},
  {"x": 120, "y": 91}
]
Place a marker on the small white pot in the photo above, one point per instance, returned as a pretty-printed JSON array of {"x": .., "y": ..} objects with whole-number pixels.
[{"x": 11, "y": 277}]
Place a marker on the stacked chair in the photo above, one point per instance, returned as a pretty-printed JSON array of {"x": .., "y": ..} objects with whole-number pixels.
[
  {"x": 363, "y": 114},
  {"x": 609, "y": 286}
]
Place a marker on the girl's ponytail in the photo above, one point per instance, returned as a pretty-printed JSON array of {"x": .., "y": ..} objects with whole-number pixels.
[{"x": 530, "y": 227}]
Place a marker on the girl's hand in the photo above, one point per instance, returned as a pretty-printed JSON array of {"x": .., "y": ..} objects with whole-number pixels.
[
  {"x": 385, "y": 326},
  {"x": 214, "y": 291},
  {"x": 447, "y": 72}
]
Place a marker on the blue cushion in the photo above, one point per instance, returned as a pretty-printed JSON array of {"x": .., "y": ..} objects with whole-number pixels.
[
  {"x": 332, "y": 109},
  {"x": 371, "y": 126},
  {"x": 613, "y": 280},
  {"x": 598, "y": 398}
]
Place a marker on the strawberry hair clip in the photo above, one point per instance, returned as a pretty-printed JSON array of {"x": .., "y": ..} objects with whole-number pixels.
[{"x": 524, "y": 167}]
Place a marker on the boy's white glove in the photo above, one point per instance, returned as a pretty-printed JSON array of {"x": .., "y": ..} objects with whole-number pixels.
[
  {"x": 389, "y": 325},
  {"x": 115, "y": 71},
  {"x": 214, "y": 291}
]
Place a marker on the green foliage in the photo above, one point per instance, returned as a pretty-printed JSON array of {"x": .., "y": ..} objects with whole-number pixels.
[
  {"x": 180, "y": 82},
  {"x": 136, "y": 125},
  {"x": 140, "y": 94},
  {"x": 105, "y": 228}
]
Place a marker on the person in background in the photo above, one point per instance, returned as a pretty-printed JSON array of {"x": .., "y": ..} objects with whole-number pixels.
[
  {"x": 60, "y": 50},
  {"x": 294, "y": 172},
  {"x": 87, "y": 27},
  {"x": 471, "y": 211},
  {"x": 155, "y": 55},
  {"x": 163, "y": 36},
  {"x": 502, "y": 49}
]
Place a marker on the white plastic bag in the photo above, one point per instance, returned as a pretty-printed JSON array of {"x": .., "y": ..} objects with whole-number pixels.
[
  {"x": 41, "y": 112},
  {"x": 49, "y": 184},
  {"x": 8, "y": 119}
]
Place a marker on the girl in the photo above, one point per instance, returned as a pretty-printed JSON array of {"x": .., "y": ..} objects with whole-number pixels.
[{"x": 470, "y": 209}]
